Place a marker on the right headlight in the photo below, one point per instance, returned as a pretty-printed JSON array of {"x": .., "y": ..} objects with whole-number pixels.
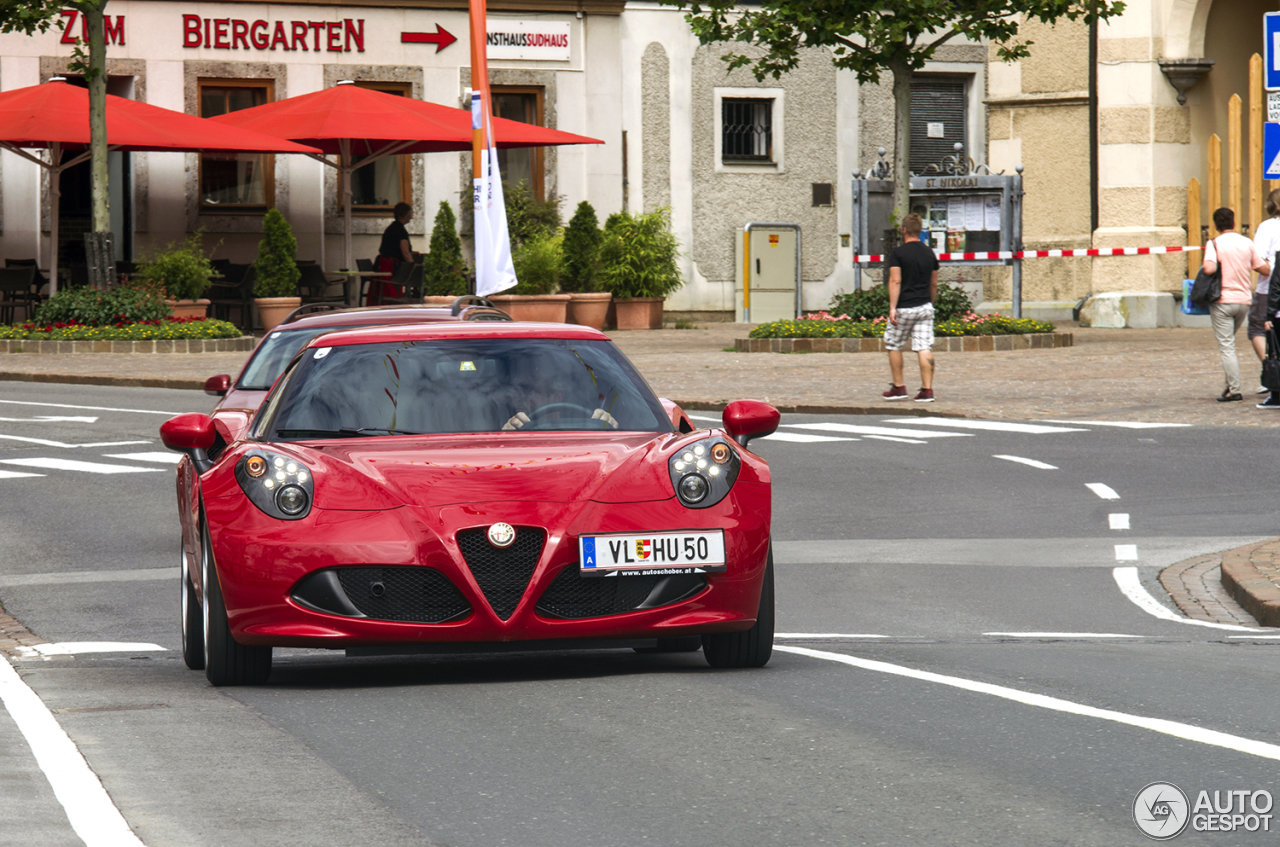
[
  {"x": 703, "y": 472},
  {"x": 280, "y": 486}
]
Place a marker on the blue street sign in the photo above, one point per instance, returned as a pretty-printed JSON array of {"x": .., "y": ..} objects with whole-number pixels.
[
  {"x": 1271, "y": 49},
  {"x": 1271, "y": 151}
]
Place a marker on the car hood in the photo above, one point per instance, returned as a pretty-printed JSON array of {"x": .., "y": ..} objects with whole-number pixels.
[{"x": 443, "y": 470}]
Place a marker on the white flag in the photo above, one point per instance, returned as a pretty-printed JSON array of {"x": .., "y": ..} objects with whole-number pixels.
[{"x": 494, "y": 270}]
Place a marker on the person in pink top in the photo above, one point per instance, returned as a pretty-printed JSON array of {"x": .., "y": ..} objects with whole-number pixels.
[{"x": 1237, "y": 256}]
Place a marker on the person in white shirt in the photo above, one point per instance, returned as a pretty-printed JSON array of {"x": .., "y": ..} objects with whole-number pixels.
[{"x": 1267, "y": 239}]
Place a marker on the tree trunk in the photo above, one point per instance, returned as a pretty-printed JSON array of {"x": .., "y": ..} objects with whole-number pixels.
[
  {"x": 97, "y": 78},
  {"x": 901, "y": 137}
]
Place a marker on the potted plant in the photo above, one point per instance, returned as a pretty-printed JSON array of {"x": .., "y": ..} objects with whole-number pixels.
[
  {"x": 639, "y": 265},
  {"x": 587, "y": 305},
  {"x": 184, "y": 272},
  {"x": 276, "y": 270},
  {"x": 538, "y": 267},
  {"x": 444, "y": 271}
]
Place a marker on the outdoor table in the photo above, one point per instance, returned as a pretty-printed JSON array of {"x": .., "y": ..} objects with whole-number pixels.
[{"x": 351, "y": 289}]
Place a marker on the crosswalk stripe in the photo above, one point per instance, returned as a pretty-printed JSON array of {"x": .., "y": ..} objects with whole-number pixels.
[
  {"x": 1123, "y": 424},
  {"x": 73, "y": 465},
  {"x": 16, "y": 474},
  {"x": 993, "y": 426},
  {"x": 897, "y": 439},
  {"x": 857, "y": 429},
  {"x": 162, "y": 458},
  {"x": 801, "y": 438},
  {"x": 1033, "y": 463},
  {"x": 44, "y": 442}
]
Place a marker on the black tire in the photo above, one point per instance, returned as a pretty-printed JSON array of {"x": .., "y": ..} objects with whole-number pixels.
[
  {"x": 226, "y": 661},
  {"x": 750, "y": 649},
  {"x": 192, "y": 620},
  {"x": 686, "y": 644}
]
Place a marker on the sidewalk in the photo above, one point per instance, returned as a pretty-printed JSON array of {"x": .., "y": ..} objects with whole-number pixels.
[{"x": 1160, "y": 375}]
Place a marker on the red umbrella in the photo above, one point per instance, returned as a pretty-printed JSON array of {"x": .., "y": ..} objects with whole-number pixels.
[
  {"x": 55, "y": 117},
  {"x": 347, "y": 119}
]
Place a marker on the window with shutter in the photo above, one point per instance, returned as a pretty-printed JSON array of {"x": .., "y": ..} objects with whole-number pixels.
[{"x": 939, "y": 119}]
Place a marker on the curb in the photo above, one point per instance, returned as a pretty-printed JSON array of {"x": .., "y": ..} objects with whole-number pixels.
[
  {"x": 90, "y": 379},
  {"x": 242, "y": 344},
  {"x": 1252, "y": 576},
  {"x": 949, "y": 344}
]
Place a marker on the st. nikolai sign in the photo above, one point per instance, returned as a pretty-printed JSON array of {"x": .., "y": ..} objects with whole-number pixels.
[{"x": 1271, "y": 50}]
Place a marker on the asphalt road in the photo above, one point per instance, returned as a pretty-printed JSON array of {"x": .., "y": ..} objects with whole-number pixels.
[{"x": 969, "y": 669}]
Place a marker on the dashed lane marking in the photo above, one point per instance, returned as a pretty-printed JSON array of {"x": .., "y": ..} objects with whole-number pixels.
[
  {"x": 1106, "y": 492},
  {"x": 51, "y": 419},
  {"x": 73, "y": 465},
  {"x": 1131, "y": 587},
  {"x": 16, "y": 474},
  {"x": 72, "y": 648},
  {"x": 1123, "y": 424},
  {"x": 162, "y": 458},
  {"x": 1126, "y": 552},
  {"x": 991, "y": 426},
  {"x": 1031, "y": 463},
  {"x": 797, "y": 437},
  {"x": 44, "y": 442},
  {"x": 89, "y": 408},
  {"x": 812, "y": 636},
  {"x": 1198, "y": 734},
  {"x": 1118, "y": 520},
  {"x": 858, "y": 429}
]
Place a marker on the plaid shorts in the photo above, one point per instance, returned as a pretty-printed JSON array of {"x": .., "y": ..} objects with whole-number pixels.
[{"x": 915, "y": 323}]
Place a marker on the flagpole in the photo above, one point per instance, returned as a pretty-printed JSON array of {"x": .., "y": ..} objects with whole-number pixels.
[
  {"x": 479, "y": 83},
  {"x": 494, "y": 269}
]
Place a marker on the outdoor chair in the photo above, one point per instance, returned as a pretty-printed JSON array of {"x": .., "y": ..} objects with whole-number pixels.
[
  {"x": 15, "y": 291},
  {"x": 235, "y": 291},
  {"x": 412, "y": 281},
  {"x": 313, "y": 285},
  {"x": 364, "y": 266},
  {"x": 40, "y": 281}
]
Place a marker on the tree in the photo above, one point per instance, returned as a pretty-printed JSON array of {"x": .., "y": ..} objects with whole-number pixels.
[
  {"x": 444, "y": 270},
  {"x": 582, "y": 250},
  {"x": 867, "y": 38}
]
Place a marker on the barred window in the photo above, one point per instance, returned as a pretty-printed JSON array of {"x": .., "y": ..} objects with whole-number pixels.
[{"x": 747, "y": 130}]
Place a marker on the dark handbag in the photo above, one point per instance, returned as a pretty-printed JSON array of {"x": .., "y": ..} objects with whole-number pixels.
[
  {"x": 1271, "y": 364},
  {"x": 1208, "y": 287}
]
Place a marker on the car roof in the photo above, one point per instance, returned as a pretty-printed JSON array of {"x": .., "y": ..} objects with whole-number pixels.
[
  {"x": 371, "y": 316},
  {"x": 455, "y": 331}
]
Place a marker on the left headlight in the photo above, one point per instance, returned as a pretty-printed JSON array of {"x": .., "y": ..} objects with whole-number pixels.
[
  {"x": 703, "y": 472},
  {"x": 280, "y": 486}
]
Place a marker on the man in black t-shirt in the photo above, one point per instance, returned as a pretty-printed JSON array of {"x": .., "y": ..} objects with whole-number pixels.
[{"x": 913, "y": 286}]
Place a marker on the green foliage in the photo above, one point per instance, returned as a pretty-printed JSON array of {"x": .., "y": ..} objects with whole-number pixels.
[
  {"x": 833, "y": 328},
  {"x": 873, "y": 302},
  {"x": 640, "y": 255},
  {"x": 582, "y": 239},
  {"x": 95, "y": 307},
  {"x": 538, "y": 263},
  {"x": 159, "y": 330},
  {"x": 181, "y": 269},
  {"x": 444, "y": 270},
  {"x": 277, "y": 263},
  {"x": 30, "y": 16},
  {"x": 527, "y": 216}
]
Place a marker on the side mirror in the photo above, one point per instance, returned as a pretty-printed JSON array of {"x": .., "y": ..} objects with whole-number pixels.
[
  {"x": 190, "y": 434},
  {"x": 748, "y": 419},
  {"x": 218, "y": 386}
]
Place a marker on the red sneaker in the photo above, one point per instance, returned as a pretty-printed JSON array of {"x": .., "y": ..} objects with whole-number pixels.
[
  {"x": 895, "y": 392},
  {"x": 925, "y": 396}
]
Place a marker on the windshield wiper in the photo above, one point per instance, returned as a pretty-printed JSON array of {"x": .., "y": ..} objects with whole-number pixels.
[{"x": 344, "y": 432}]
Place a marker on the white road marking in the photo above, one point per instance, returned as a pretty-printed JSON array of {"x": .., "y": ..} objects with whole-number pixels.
[
  {"x": 46, "y": 443},
  {"x": 73, "y": 465},
  {"x": 1118, "y": 520},
  {"x": 1200, "y": 735},
  {"x": 803, "y": 636},
  {"x": 858, "y": 429},
  {"x": 163, "y": 458},
  {"x": 1104, "y": 491},
  {"x": 703, "y": 418},
  {"x": 1122, "y": 424},
  {"x": 1277, "y": 635},
  {"x": 1126, "y": 552},
  {"x": 1127, "y": 579},
  {"x": 90, "y": 408},
  {"x": 895, "y": 438},
  {"x": 16, "y": 474},
  {"x": 51, "y": 419},
  {"x": 77, "y": 577},
  {"x": 71, "y": 648},
  {"x": 1062, "y": 635},
  {"x": 1028, "y": 462},
  {"x": 89, "y": 809},
  {"x": 993, "y": 426},
  {"x": 798, "y": 437}
]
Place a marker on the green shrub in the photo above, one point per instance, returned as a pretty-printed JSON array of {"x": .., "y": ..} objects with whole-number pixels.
[
  {"x": 181, "y": 268},
  {"x": 538, "y": 265},
  {"x": 582, "y": 240},
  {"x": 828, "y": 327},
  {"x": 527, "y": 216},
  {"x": 157, "y": 330},
  {"x": 443, "y": 268},
  {"x": 102, "y": 307},
  {"x": 639, "y": 256},
  {"x": 873, "y": 302},
  {"x": 277, "y": 262}
]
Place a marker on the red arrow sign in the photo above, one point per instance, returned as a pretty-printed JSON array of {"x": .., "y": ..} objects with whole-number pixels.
[{"x": 441, "y": 38}]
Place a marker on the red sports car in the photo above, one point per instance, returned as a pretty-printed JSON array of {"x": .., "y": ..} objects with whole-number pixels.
[{"x": 468, "y": 486}]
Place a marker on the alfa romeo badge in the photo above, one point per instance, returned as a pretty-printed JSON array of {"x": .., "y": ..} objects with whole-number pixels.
[{"x": 502, "y": 534}]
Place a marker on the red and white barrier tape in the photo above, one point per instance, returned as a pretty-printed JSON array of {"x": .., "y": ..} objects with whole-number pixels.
[{"x": 1042, "y": 254}]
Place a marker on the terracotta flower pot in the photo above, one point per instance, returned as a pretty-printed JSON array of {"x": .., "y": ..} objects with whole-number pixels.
[
  {"x": 544, "y": 308},
  {"x": 188, "y": 308},
  {"x": 438, "y": 300},
  {"x": 639, "y": 312},
  {"x": 273, "y": 310},
  {"x": 589, "y": 308}
]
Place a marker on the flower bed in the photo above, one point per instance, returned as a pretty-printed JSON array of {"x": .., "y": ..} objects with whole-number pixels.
[
  {"x": 825, "y": 325},
  {"x": 165, "y": 329}
]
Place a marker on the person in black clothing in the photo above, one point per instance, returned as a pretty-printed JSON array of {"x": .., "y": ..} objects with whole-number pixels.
[
  {"x": 913, "y": 286},
  {"x": 394, "y": 249}
]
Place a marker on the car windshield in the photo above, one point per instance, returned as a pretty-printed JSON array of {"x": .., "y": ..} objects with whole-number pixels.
[
  {"x": 454, "y": 386},
  {"x": 276, "y": 351}
]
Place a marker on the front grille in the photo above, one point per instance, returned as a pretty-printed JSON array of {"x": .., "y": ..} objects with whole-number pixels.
[
  {"x": 503, "y": 574},
  {"x": 574, "y": 596},
  {"x": 411, "y": 595}
]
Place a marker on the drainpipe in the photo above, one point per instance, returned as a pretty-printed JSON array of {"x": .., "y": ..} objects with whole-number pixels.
[
  {"x": 746, "y": 264},
  {"x": 1093, "y": 130}
]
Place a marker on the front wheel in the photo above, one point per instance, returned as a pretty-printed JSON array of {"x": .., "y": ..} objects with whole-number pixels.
[
  {"x": 226, "y": 661},
  {"x": 750, "y": 649},
  {"x": 192, "y": 619}
]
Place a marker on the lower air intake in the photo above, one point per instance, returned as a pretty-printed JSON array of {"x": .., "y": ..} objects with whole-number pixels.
[
  {"x": 574, "y": 596},
  {"x": 503, "y": 573},
  {"x": 410, "y": 595}
]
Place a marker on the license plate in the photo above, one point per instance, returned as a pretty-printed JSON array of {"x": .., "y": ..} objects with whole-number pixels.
[{"x": 621, "y": 554}]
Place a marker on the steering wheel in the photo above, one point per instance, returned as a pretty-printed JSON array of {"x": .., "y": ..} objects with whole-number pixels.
[{"x": 559, "y": 407}]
